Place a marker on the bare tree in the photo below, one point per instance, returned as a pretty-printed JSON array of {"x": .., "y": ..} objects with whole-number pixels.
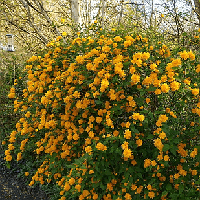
[
  {"x": 34, "y": 22},
  {"x": 197, "y": 9},
  {"x": 75, "y": 11}
]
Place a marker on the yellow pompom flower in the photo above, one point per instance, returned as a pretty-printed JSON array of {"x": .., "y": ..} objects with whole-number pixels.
[
  {"x": 118, "y": 39},
  {"x": 127, "y": 134},
  {"x": 67, "y": 186},
  {"x": 176, "y": 62},
  {"x": 165, "y": 88},
  {"x": 195, "y": 91},
  {"x": 147, "y": 163},
  {"x": 26, "y": 173},
  {"x": 62, "y": 20},
  {"x": 88, "y": 150},
  {"x": 191, "y": 55},
  {"x": 184, "y": 55},
  {"x": 174, "y": 85},
  {"x": 127, "y": 153},
  {"x": 64, "y": 33},
  {"x": 145, "y": 55},
  {"x": 151, "y": 195},
  {"x": 158, "y": 144},
  {"x": 135, "y": 79},
  {"x": 138, "y": 142}
]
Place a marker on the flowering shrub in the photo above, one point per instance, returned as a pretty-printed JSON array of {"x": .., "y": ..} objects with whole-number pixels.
[{"x": 111, "y": 117}]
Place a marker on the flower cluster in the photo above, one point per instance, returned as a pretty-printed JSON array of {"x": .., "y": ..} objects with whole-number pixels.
[{"x": 111, "y": 117}]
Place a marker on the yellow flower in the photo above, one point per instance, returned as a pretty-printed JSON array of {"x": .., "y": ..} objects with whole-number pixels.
[
  {"x": 162, "y": 15},
  {"x": 101, "y": 147},
  {"x": 194, "y": 172},
  {"x": 198, "y": 68},
  {"x": 166, "y": 158},
  {"x": 127, "y": 153},
  {"x": 118, "y": 39},
  {"x": 176, "y": 176},
  {"x": 62, "y": 20},
  {"x": 26, "y": 173},
  {"x": 75, "y": 136},
  {"x": 8, "y": 158},
  {"x": 64, "y": 33},
  {"x": 162, "y": 135},
  {"x": 153, "y": 66},
  {"x": 163, "y": 118},
  {"x": 95, "y": 196},
  {"x": 135, "y": 79},
  {"x": 67, "y": 186},
  {"x": 193, "y": 153},
  {"x": 19, "y": 156},
  {"x": 191, "y": 55},
  {"x": 147, "y": 163},
  {"x": 138, "y": 142},
  {"x": 148, "y": 100},
  {"x": 195, "y": 91},
  {"x": 78, "y": 187},
  {"x": 104, "y": 83},
  {"x": 80, "y": 59},
  {"x": 133, "y": 187},
  {"x": 186, "y": 81},
  {"x": 110, "y": 186},
  {"x": 141, "y": 118},
  {"x": 158, "y": 144},
  {"x": 127, "y": 196},
  {"x": 176, "y": 62},
  {"x": 145, "y": 55},
  {"x": 85, "y": 193},
  {"x": 127, "y": 43},
  {"x": 127, "y": 134},
  {"x": 88, "y": 149},
  {"x": 153, "y": 163},
  {"x": 184, "y": 55},
  {"x": 71, "y": 181},
  {"x": 106, "y": 49},
  {"x": 91, "y": 171},
  {"x": 157, "y": 91},
  {"x": 174, "y": 85},
  {"x": 164, "y": 88},
  {"x": 151, "y": 195},
  {"x": 147, "y": 81}
]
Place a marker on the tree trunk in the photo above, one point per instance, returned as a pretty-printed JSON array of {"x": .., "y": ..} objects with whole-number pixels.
[
  {"x": 75, "y": 11},
  {"x": 197, "y": 9},
  {"x": 103, "y": 12}
]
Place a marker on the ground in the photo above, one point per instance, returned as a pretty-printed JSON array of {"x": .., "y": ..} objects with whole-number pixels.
[{"x": 14, "y": 188}]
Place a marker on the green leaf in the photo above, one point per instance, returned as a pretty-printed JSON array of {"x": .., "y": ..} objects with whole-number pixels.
[
  {"x": 126, "y": 63},
  {"x": 150, "y": 136},
  {"x": 181, "y": 188},
  {"x": 8, "y": 165},
  {"x": 164, "y": 193},
  {"x": 166, "y": 147},
  {"x": 139, "y": 175},
  {"x": 173, "y": 150},
  {"x": 169, "y": 187},
  {"x": 184, "y": 34},
  {"x": 98, "y": 102}
]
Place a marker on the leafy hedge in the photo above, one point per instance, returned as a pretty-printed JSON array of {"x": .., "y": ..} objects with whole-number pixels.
[{"x": 111, "y": 116}]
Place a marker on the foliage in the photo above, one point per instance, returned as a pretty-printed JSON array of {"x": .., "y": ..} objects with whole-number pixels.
[
  {"x": 112, "y": 116},
  {"x": 11, "y": 67}
]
